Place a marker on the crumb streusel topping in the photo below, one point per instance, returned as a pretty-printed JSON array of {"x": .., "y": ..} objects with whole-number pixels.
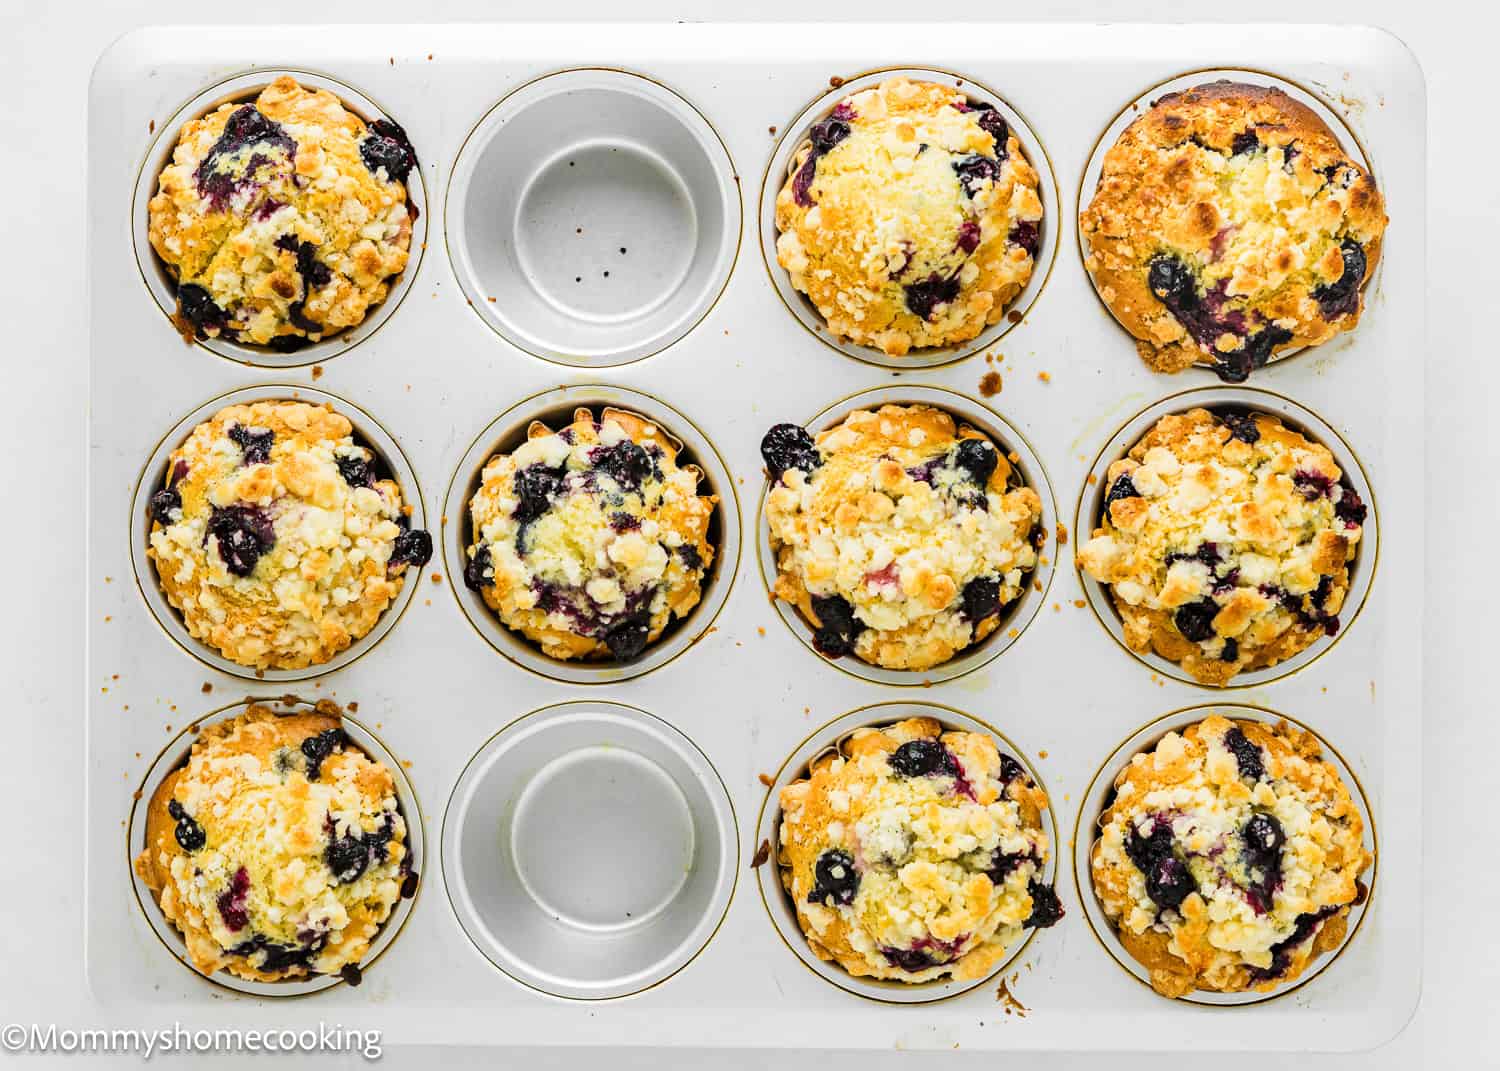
[
  {"x": 276, "y": 539},
  {"x": 1229, "y": 225},
  {"x": 1225, "y": 542},
  {"x": 283, "y": 220},
  {"x": 277, "y": 851},
  {"x": 910, "y": 218},
  {"x": 591, "y": 539},
  {"x": 916, "y": 854},
  {"x": 1229, "y": 857},
  {"x": 899, "y": 535}
]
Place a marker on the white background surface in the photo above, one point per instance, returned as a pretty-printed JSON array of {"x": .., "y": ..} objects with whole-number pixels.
[{"x": 46, "y": 51}]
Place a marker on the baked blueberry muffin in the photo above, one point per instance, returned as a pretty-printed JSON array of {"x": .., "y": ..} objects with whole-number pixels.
[
  {"x": 277, "y": 850},
  {"x": 277, "y": 538},
  {"x": 1229, "y": 857},
  {"x": 899, "y": 535},
  {"x": 914, "y": 854},
  {"x": 590, "y": 540},
  {"x": 910, "y": 217},
  {"x": 1225, "y": 542},
  {"x": 283, "y": 221},
  {"x": 1229, "y": 225}
]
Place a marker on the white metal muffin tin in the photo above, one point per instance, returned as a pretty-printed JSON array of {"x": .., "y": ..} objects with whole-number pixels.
[{"x": 687, "y": 152}]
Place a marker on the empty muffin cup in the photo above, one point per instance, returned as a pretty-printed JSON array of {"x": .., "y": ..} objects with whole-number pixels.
[
  {"x": 785, "y": 159},
  {"x": 589, "y": 850},
  {"x": 831, "y": 740},
  {"x": 556, "y": 410},
  {"x": 1088, "y": 182},
  {"x": 1100, "y": 793},
  {"x": 175, "y": 755},
  {"x": 1027, "y": 470},
  {"x": 389, "y": 462},
  {"x": 1233, "y": 400},
  {"x": 242, "y": 89},
  {"x": 593, "y": 217}
]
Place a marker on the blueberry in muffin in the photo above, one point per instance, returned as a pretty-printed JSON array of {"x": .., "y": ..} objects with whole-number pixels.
[
  {"x": 276, "y": 536},
  {"x": 591, "y": 539},
  {"x": 1229, "y": 225},
  {"x": 915, "y": 853},
  {"x": 899, "y": 535},
  {"x": 910, "y": 217},
  {"x": 1229, "y": 857},
  {"x": 284, "y": 220},
  {"x": 1226, "y": 540},
  {"x": 278, "y": 849}
]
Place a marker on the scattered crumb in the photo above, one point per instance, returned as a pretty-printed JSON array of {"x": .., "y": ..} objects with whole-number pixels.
[
  {"x": 1093, "y": 479},
  {"x": 760, "y": 629},
  {"x": 1041, "y": 754},
  {"x": 1056, "y": 608},
  {"x": 1015, "y": 458},
  {"x": 114, "y": 676},
  {"x": 989, "y": 384},
  {"x": 437, "y": 578},
  {"x": 492, "y": 301},
  {"x": 1014, "y": 316},
  {"x": 1008, "y": 999},
  {"x": 151, "y": 127},
  {"x": 1045, "y": 377},
  {"x": 771, "y": 130},
  {"x": 108, "y": 618},
  {"x": 317, "y": 371},
  {"x": 807, "y": 710},
  {"x": 1079, "y": 603},
  {"x": 109, "y": 580},
  {"x": 765, "y": 779},
  {"x": 353, "y": 706},
  {"x": 835, "y": 81},
  {"x": 1062, "y": 534},
  {"x": 761, "y": 855}
]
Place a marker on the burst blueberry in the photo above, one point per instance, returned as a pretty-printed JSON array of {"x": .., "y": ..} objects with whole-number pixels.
[
  {"x": 838, "y": 627},
  {"x": 1196, "y": 620},
  {"x": 318, "y": 747},
  {"x": 974, "y": 170},
  {"x": 627, "y": 639},
  {"x": 834, "y": 878},
  {"x": 789, "y": 446},
  {"x": 243, "y": 534},
  {"x": 387, "y": 146},
  {"x": 255, "y": 443},
  {"x": 412, "y": 547},
  {"x": 200, "y": 310},
  {"x": 1246, "y": 754},
  {"x": 347, "y": 858},
  {"x": 1341, "y": 298},
  {"x": 981, "y": 598},
  {"x": 164, "y": 504},
  {"x": 1168, "y": 881},
  {"x": 923, "y": 758},
  {"x": 1046, "y": 908},
  {"x": 1241, "y": 425},
  {"x": 925, "y": 296},
  {"x": 476, "y": 568},
  {"x": 1123, "y": 487},
  {"x": 625, "y": 462},
  {"x": 355, "y": 470}
]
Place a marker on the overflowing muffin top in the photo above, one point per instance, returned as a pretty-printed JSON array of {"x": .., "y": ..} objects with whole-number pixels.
[
  {"x": 1229, "y": 857},
  {"x": 277, "y": 850},
  {"x": 915, "y": 853},
  {"x": 282, "y": 220},
  {"x": 1229, "y": 225},
  {"x": 276, "y": 537},
  {"x": 898, "y": 534},
  {"x": 1225, "y": 540},
  {"x": 591, "y": 539},
  {"x": 910, "y": 217}
]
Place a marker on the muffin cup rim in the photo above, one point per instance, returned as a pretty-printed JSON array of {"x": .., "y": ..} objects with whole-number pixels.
[
  {"x": 768, "y": 830},
  {"x": 160, "y": 925},
  {"x": 1361, "y": 578},
  {"x": 629, "y": 712},
  {"x": 681, "y": 635},
  {"x": 1016, "y": 615},
  {"x": 170, "y": 619},
  {"x": 159, "y": 152},
  {"x": 1142, "y": 103},
  {"x": 1149, "y": 737},
  {"x": 926, "y": 358},
  {"x": 735, "y": 227}
]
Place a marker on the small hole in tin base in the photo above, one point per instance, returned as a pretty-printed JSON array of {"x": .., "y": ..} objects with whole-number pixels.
[{"x": 593, "y": 217}]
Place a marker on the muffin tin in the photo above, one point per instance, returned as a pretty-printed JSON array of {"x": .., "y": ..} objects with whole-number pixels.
[{"x": 717, "y": 355}]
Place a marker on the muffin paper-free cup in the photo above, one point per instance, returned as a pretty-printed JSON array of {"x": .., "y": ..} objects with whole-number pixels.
[
  {"x": 367, "y": 432},
  {"x": 831, "y": 738},
  {"x": 1100, "y": 793},
  {"x": 1014, "y": 616},
  {"x": 795, "y": 134},
  {"x": 175, "y": 755},
  {"x": 1091, "y": 508},
  {"x": 244, "y": 88},
  {"x": 555, "y": 409},
  {"x": 589, "y": 850},
  {"x": 593, "y": 217},
  {"x": 1088, "y": 182}
]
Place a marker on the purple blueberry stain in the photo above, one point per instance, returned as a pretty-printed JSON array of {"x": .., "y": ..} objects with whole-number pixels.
[
  {"x": 246, "y": 127},
  {"x": 1206, "y": 320},
  {"x": 1350, "y": 508},
  {"x": 825, "y": 136},
  {"x": 968, "y": 236},
  {"x": 1027, "y": 234},
  {"x": 232, "y": 901}
]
